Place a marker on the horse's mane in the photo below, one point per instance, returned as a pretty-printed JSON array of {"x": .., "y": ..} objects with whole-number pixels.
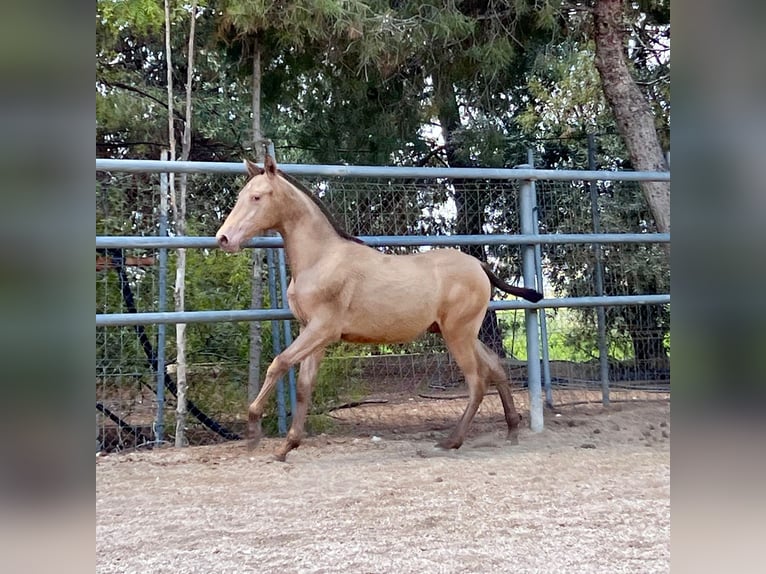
[{"x": 326, "y": 212}]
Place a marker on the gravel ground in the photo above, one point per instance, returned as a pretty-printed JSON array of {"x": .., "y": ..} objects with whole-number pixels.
[{"x": 591, "y": 493}]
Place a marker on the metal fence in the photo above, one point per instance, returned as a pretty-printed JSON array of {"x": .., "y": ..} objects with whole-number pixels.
[{"x": 601, "y": 333}]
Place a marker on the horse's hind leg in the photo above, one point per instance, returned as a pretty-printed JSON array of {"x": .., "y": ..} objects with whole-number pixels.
[
  {"x": 463, "y": 351},
  {"x": 496, "y": 375},
  {"x": 512, "y": 417},
  {"x": 306, "y": 377}
]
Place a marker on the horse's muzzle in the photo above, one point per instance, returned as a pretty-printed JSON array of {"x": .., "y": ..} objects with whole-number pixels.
[{"x": 225, "y": 244}]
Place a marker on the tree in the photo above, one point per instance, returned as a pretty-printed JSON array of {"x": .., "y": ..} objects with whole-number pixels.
[
  {"x": 179, "y": 208},
  {"x": 633, "y": 115},
  {"x": 565, "y": 104}
]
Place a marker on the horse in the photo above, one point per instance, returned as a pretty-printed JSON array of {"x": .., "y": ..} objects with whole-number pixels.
[{"x": 344, "y": 290}]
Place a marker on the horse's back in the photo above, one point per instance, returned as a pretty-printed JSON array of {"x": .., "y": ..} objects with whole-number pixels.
[{"x": 428, "y": 271}]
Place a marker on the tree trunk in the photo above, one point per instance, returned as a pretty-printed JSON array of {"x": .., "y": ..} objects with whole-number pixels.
[
  {"x": 634, "y": 117},
  {"x": 470, "y": 203},
  {"x": 180, "y": 217},
  {"x": 178, "y": 294},
  {"x": 256, "y": 282}
]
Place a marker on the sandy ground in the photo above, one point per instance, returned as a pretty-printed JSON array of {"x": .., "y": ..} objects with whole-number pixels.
[{"x": 591, "y": 493}]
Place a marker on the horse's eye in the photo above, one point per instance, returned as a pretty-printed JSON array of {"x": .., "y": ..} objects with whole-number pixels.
[{"x": 255, "y": 198}]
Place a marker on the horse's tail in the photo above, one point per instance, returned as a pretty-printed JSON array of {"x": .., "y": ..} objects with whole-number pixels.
[{"x": 524, "y": 293}]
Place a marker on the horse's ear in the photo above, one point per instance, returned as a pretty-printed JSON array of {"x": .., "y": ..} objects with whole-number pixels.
[
  {"x": 253, "y": 169},
  {"x": 270, "y": 166}
]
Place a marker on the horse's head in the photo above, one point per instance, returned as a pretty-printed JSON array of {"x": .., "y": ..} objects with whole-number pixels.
[{"x": 256, "y": 209}]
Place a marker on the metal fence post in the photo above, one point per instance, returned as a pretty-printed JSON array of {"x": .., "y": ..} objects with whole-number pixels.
[
  {"x": 603, "y": 351},
  {"x": 288, "y": 334},
  {"x": 276, "y": 342},
  {"x": 162, "y": 281},
  {"x": 542, "y": 317},
  {"x": 527, "y": 203}
]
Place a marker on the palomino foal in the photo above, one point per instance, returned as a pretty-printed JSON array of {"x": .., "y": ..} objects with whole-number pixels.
[{"x": 342, "y": 290}]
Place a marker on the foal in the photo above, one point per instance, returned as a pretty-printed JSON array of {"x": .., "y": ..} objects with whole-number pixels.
[{"x": 342, "y": 290}]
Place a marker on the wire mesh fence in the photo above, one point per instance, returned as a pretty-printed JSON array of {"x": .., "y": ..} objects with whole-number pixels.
[{"x": 370, "y": 377}]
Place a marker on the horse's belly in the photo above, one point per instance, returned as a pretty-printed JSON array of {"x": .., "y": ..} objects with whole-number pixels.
[
  {"x": 378, "y": 339},
  {"x": 401, "y": 331},
  {"x": 355, "y": 338}
]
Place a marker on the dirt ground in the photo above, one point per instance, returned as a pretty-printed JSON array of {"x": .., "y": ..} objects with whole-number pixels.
[{"x": 591, "y": 493}]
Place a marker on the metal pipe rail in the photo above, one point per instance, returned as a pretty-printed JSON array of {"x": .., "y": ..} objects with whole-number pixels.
[
  {"x": 124, "y": 319},
  {"x": 208, "y": 167},
  {"x": 152, "y": 242}
]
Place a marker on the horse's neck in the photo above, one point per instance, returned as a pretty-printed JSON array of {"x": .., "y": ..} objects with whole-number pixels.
[{"x": 306, "y": 231}]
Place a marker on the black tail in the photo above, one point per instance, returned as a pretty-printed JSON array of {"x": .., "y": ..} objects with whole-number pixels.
[{"x": 524, "y": 293}]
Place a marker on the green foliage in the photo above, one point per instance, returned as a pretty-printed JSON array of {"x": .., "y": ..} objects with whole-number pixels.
[
  {"x": 337, "y": 72},
  {"x": 144, "y": 16},
  {"x": 564, "y": 94},
  {"x": 217, "y": 385},
  {"x": 215, "y": 280},
  {"x": 338, "y": 379},
  {"x": 572, "y": 336}
]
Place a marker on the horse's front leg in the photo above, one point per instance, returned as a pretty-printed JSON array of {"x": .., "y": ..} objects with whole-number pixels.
[
  {"x": 306, "y": 378},
  {"x": 313, "y": 338}
]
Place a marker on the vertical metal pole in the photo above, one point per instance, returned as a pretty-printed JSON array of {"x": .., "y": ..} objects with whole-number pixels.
[
  {"x": 276, "y": 335},
  {"x": 288, "y": 335},
  {"x": 527, "y": 215},
  {"x": 603, "y": 353},
  {"x": 541, "y": 312},
  {"x": 275, "y": 341},
  {"x": 159, "y": 421}
]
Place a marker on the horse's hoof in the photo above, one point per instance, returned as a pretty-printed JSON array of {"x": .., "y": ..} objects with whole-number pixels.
[
  {"x": 279, "y": 457},
  {"x": 513, "y": 437},
  {"x": 449, "y": 444},
  {"x": 253, "y": 434}
]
